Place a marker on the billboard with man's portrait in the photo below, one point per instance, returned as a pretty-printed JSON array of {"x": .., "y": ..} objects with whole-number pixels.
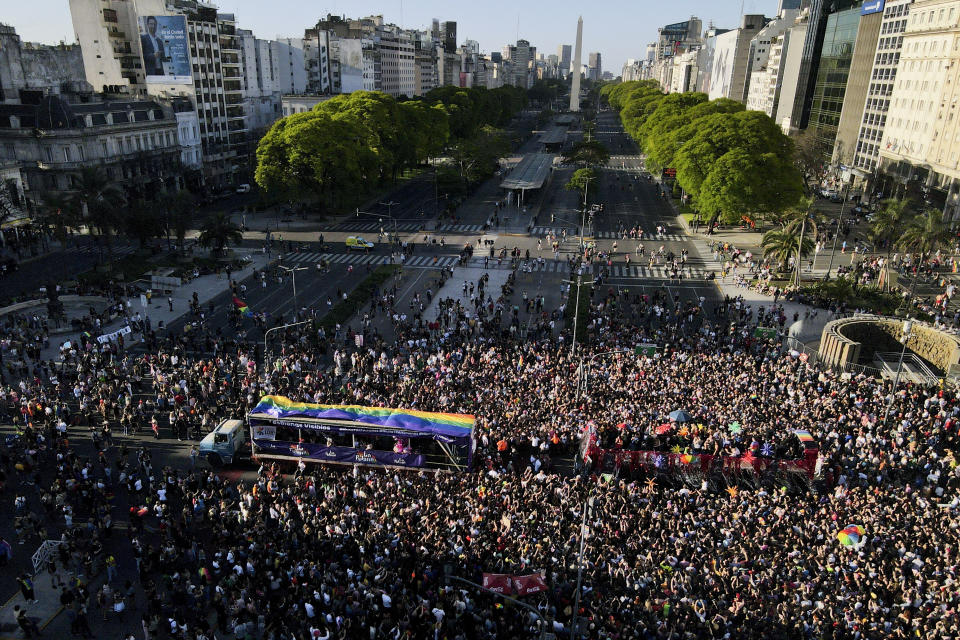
[{"x": 166, "y": 54}]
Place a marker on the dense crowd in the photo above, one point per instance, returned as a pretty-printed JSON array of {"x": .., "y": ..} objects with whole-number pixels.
[{"x": 329, "y": 554}]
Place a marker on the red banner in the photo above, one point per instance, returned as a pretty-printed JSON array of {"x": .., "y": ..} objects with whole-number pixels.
[
  {"x": 525, "y": 585},
  {"x": 497, "y": 582}
]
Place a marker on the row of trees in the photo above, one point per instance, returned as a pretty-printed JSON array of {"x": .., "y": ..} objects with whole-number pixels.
[
  {"x": 351, "y": 142},
  {"x": 99, "y": 205},
  {"x": 729, "y": 161}
]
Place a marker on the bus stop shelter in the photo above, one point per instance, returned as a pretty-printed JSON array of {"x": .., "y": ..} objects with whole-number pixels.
[{"x": 531, "y": 173}]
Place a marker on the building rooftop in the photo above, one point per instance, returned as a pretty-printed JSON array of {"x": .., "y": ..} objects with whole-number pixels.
[{"x": 530, "y": 173}]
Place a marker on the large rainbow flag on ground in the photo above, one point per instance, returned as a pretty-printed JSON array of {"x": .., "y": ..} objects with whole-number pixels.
[
  {"x": 242, "y": 307},
  {"x": 451, "y": 425}
]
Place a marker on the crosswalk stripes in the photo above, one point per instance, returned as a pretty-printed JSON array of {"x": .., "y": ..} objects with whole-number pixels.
[{"x": 463, "y": 228}]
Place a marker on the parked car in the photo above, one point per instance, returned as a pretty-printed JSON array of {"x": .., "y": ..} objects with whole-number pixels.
[{"x": 244, "y": 188}]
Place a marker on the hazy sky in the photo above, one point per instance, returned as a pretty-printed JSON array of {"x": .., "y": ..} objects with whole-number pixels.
[{"x": 618, "y": 29}]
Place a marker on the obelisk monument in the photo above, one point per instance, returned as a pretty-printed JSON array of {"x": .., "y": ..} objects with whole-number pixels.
[{"x": 575, "y": 69}]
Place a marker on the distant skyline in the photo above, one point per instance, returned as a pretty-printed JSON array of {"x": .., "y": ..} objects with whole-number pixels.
[{"x": 615, "y": 29}]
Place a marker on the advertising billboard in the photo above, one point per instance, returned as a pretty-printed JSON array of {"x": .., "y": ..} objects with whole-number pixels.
[
  {"x": 163, "y": 44},
  {"x": 874, "y": 6}
]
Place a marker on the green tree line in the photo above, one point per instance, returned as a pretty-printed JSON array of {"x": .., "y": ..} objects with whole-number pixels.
[
  {"x": 731, "y": 162},
  {"x": 350, "y": 143}
]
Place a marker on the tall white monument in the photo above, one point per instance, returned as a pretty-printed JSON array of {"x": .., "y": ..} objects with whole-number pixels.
[{"x": 575, "y": 69}]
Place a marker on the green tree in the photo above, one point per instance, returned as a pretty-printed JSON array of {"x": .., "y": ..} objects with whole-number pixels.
[
  {"x": 330, "y": 157},
  {"x": 217, "y": 232},
  {"x": 478, "y": 157},
  {"x": 780, "y": 245},
  {"x": 922, "y": 234},
  {"x": 179, "y": 209},
  {"x": 60, "y": 214},
  {"x": 590, "y": 153},
  {"x": 580, "y": 181},
  {"x": 888, "y": 224},
  {"x": 379, "y": 114},
  {"x": 98, "y": 201},
  {"x": 812, "y": 157},
  {"x": 740, "y": 183},
  {"x": 144, "y": 222},
  {"x": 668, "y": 136},
  {"x": 670, "y": 106}
]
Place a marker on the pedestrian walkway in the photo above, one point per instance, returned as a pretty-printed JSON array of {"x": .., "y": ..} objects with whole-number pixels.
[
  {"x": 315, "y": 257},
  {"x": 617, "y": 271},
  {"x": 45, "y": 608},
  {"x": 386, "y": 227},
  {"x": 159, "y": 308}
]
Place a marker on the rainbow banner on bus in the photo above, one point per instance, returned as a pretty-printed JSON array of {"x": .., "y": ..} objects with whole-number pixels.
[{"x": 451, "y": 425}]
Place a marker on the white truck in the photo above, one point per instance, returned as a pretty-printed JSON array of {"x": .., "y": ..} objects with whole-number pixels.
[{"x": 226, "y": 444}]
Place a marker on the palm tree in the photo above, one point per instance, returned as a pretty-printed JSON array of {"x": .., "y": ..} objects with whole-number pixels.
[
  {"x": 179, "y": 208},
  {"x": 923, "y": 233},
  {"x": 217, "y": 232},
  {"x": 99, "y": 201},
  {"x": 887, "y": 225},
  {"x": 793, "y": 219},
  {"x": 60, "y": 215},
  {"x": 781, "y": 245}
]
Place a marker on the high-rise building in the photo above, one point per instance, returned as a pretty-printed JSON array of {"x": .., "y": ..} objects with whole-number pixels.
[
  {"x": 730, "y": 75},
  {"x": 448, "y": 33},
  {"x": 766, "y": 52},
  {"x": 921, "y": 141},
  {"x": 30, "y": 69},
  {"x": 839, "y": 40},
  {"x": 857, "y": 85},
  {"x": 809, "y": 58},
  {"x": 882, "y": 76},
  {"x": 521, "y": 57},
  {"x": 594, "y": 66},
  {"x": 397, "y": 61},
  {"x": 563, "y": 59},
  {"x": 173, "y": 49},
  {"x": 672, "y": 35}
]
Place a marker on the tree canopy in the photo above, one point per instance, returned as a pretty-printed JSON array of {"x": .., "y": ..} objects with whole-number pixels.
[
  {"x": 591, "y": 153},
  {"x": 364, "y": 138},
  {"x": 728, "y": 160}
]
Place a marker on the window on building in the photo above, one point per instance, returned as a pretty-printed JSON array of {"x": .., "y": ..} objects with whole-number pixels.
[{"x": 66, "y": 154}]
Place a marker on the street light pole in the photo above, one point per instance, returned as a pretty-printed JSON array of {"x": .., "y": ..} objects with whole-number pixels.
[
  {"x": 293, "y": 273},
  {"x": 267, "y": 333},
  {"x": 575, "y": 630},
  {"x": 519, "y": 603},
  {"x": 843, "y": 192},
  {"x": 907, "y": 328}
]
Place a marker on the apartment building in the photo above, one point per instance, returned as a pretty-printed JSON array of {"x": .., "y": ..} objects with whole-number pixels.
[
  {"x": 921, "y": 141},
  {"x": 883, "y": 75}
]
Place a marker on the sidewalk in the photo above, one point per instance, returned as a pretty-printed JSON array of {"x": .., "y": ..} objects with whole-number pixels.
[
  {"x": 805, "y": 323},
  {"x": 206, "y": 287},
  {"x": 42, "y": 612}
]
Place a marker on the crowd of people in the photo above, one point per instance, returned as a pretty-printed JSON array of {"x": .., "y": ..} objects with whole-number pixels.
[{"x": 325, "y": 553}]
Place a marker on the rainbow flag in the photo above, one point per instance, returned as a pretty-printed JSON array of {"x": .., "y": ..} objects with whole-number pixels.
[
  {"x": 242, "y": 307},
  {"x": 803, "y": 435},
  {"x": 454, "y": 425}
]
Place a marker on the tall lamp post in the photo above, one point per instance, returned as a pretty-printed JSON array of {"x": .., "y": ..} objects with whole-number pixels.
[
  {"x": 843, "y": 194},
  {"x": 293, "y": 272},
  {"x": 587, "y": 506},
  {"x": 266, "y": 356},
  {"x": 907, "y": 329}
]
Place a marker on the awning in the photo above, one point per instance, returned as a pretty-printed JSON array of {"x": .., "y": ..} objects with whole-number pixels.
[
  {"x": 556, "y": 135},
  {"x": 531, "y": 173}
]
